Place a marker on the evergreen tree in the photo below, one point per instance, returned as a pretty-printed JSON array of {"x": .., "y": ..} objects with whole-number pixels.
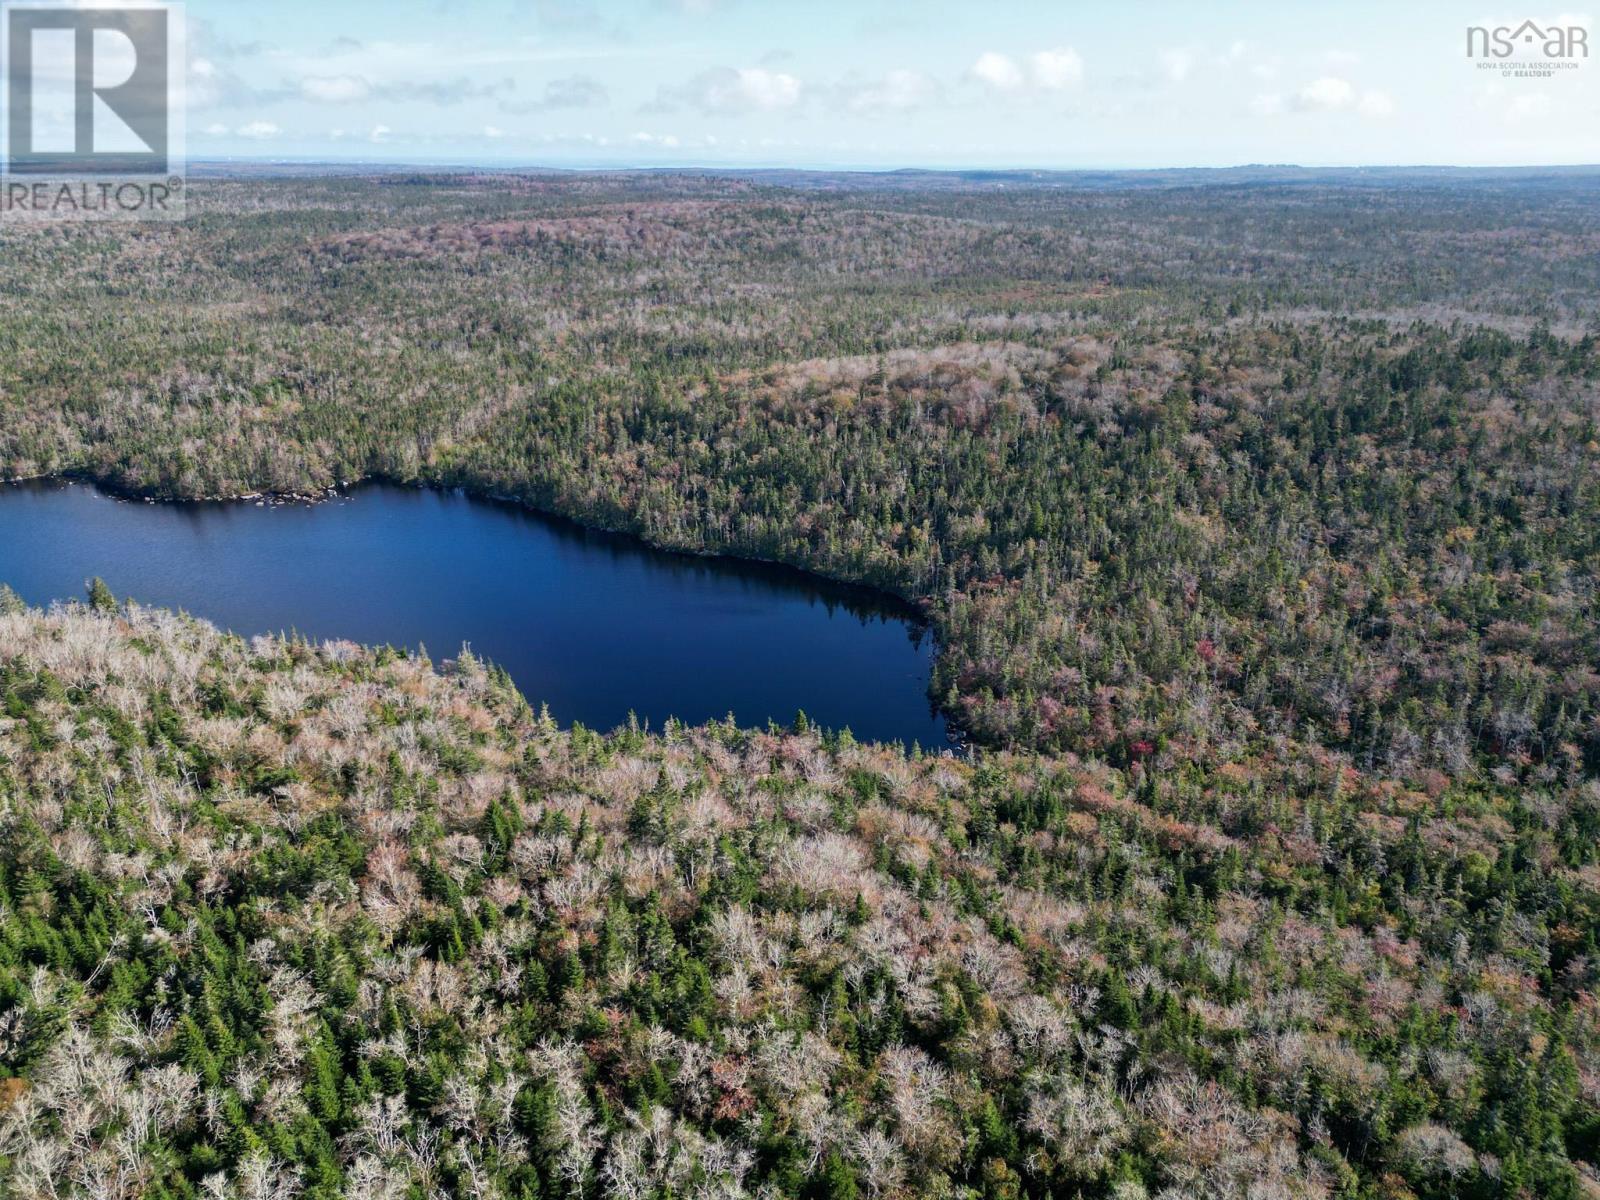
[{"x": 101, "y": 597}]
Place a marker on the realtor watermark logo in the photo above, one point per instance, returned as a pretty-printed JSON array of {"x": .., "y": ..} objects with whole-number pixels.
[
  {"x": 1529, "y": 50},
  {"x": 93, "y": 119}
]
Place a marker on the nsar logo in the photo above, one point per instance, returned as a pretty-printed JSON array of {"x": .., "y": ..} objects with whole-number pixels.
[{"x": 1530, "y": 39}]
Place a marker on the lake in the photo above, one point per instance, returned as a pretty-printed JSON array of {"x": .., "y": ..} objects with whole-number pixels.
[{"x": 593, "y": 624}]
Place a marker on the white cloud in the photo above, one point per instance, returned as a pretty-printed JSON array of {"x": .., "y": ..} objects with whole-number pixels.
[
  {"x": 1177, "y": 64},
  {"x": 1375, "y": 104},
  {"x": 728, "y": 92},
  {"x": 258, "y": 131},
  {"x": 351, "y": 88},
  {"x": 1047, "y": 71},
  {"x": 1267, "y": 104},
  {"x": 1249, "y": 56},
  {"x": 1333, "y": 94},
  {"x": 215, "y": 130},
  {"x": 998, "y": 72},
  {"x": 1532, "y": 106},
  {"x": 668, "y": 141},
  {"x": 568, "y": 91},
  {"x": 572, "y": 139},
  {"x": 334, "y": 89},
  {"x": 897, "y": 91},
  {"x": 1058, "y": 69},
  {"x": 1327, "y": 94},
  {"x": 493, "y": 132},
  {"x": 379, "y": 134},
  {"x": 211, "y": 83},
  {"x": 767, "y": 89}
]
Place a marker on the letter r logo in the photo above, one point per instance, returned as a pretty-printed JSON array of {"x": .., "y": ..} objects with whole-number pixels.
[{"x": 88, "y": 90}]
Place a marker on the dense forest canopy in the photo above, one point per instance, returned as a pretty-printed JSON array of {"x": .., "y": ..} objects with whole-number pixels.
[
  {"x": 1165, "y": 465},
  {"x": 285, "y": 919},
  {"x": 1257, "y": 519}
]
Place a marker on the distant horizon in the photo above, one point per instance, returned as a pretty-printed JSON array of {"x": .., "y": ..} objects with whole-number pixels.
[{"x": 724, "y": 165}]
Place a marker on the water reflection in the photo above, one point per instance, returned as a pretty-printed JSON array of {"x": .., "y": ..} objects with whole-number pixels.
[{"x": 594, "y": 624}]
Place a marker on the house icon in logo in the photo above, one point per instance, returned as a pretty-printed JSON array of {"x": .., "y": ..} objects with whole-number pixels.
[{"x": 1527, "y": 33}]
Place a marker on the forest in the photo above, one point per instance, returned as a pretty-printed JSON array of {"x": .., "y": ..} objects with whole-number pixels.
[
  {"x": 1255, "y": 516},
  {"x": 283, "y": 919},
  {"x": 1163, "y": 467}
]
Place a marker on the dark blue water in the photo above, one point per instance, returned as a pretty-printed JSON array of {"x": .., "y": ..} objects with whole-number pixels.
[{"x": 593, "y": 624}]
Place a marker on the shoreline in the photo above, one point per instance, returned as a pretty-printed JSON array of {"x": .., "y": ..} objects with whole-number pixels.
[
  {"x": 914, "y": 610},
  {"x": 917, "y": 609}
]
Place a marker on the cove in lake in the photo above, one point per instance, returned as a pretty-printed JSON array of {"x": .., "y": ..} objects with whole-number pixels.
[{"x": 593, "y": 624}]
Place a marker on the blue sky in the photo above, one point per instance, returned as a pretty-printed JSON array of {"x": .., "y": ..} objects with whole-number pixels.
[{"x": 876, "y": 83}]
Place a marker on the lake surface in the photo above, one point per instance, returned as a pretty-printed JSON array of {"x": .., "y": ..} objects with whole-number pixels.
[{"x": 593, "y": 624}]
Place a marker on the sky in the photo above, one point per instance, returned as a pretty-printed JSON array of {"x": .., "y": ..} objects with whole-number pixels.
[{"x": 879, "y": 83}]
